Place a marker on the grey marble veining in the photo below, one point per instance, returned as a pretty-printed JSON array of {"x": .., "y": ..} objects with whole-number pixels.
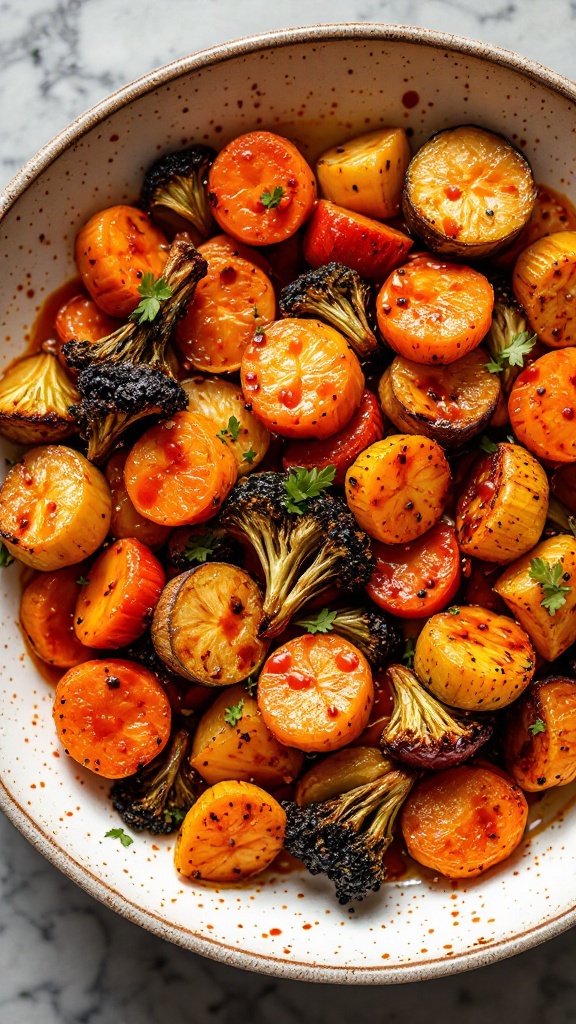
[{"x": 65, "y": 959}]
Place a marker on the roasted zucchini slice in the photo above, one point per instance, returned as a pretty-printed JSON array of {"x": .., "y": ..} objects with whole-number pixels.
[{"x": 468, "y": 192}]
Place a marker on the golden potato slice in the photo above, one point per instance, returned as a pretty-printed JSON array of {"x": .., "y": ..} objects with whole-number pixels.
[
  {"x": 366, "y": 173},
  {"x": 544, "y": 282},
  {"x": 540, "y": 742}
]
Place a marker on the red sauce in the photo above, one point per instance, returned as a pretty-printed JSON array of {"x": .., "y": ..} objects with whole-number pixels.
[
  {"x": 452, "y": 192},
  {"x": 410, "y": 99},
  {"x": 485, "y": 490},
  {"x": 299, "y": 680},
  {"x": 450, "y": 227},
  {"x": 43, "y": 328},
  {"x": 568, "y": 413},
  {"x": 280, "y": 662},
  {"x": 290, "y": 397},
  {"x": 332, "y": 712},
  {"x": 347, "y": 661}
]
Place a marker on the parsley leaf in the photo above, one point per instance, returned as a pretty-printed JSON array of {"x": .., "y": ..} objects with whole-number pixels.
[
  {"x": 409, "y": 650},
  {"x": 231, "y": 431},
  {"x": 233, "y": 715},
  {"x": 82, "y": 581},
  {"x": 259, "y": 332},
  {"x": 323, "y": 623},
  {"x": 119, "y": 833},
  {"x": 5, "y": 557},
  {"x": 153, "y": 294},
  {"x": 198, "y": 548},
  {"x": 249, "y": 456},
  {"x": 302, "y": 484},
  {"x": 175, "y": 815},
  {"x": 272, "y": 199},
  {"x": 521, "y": 345},
  {"x": 454, "y": 609},
  {"x": 251, "y": 685},
  {"x": 537, "y": 726},
  {"x": 487, "y": 445},
  {"x": 549, "y": 576}
]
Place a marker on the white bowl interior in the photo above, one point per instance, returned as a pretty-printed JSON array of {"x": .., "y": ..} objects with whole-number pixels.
[{"x": 318, "y": 91}]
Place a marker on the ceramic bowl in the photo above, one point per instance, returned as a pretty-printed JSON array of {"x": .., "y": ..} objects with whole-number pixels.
[{"x": 318, "y": 85}]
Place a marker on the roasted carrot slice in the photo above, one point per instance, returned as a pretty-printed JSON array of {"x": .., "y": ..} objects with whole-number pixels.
[
  {"x": 301, "y": 378},
  {"x": 316, "y": 692},
  {"x": 47, "y": 617},
  {"x": 434, "y": 312},
  {"x": 116, "y": 605},
  {"x": 261, "y": 190},
  {"x": 417, "y": 579},
  {"x": 542, "y": 406},
  {"x": 112, "y": 716},
  {"x": 398, "y": 487},
  {"x": 80, "y": 318},
  {"x": 235, "y": 299},
  {"x": 462, "y": 821},
  {"x": 54, "y": 508},
  {"x": 179, "y": 472},
  {"x": 544, "y": 279},
  {"x": 126, "y": 521},
  {"x": 114, "y": 251},
  {"x": 233, "y": 831},
  {"x": 225, "y": 246},
  {"x": 365, "y": 245}
]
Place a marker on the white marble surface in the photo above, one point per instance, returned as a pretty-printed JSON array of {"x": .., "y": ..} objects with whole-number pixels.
[{"x": 64, "y": 959}]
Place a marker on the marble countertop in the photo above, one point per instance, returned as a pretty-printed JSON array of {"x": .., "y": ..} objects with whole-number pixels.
[{"x": 65, "y": 959}]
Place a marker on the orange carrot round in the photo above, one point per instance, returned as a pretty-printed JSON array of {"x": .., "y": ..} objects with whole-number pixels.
[
  {"x": 301, "y": 378},
  {"x": 116, "y": 605},
  {"x": 542, "y": 406},
  {"x": 112, "y": 716},
  {"x": 316, "y": 692},
  {"x": 179, "y": 472},
  {"x": 417, "y": 579},
  {"x": 47, "y": 617},
  {"x": 434, "y": 312},
  {"x": 126, "y": 521},
  {"x": 81, "y": 319},
  {"x": 260, "y": 188}
]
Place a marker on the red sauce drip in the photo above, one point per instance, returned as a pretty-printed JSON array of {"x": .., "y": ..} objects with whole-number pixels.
[
  {"x": 410, "y": 99},
  {"x": 289, "y": 397},
  {"x": 279, "y": 662},
  {"x": 485, "y": 490},
  {"x": 275, "y": 931},
  {"x": 531, "y": 373},
  {"x": 452, "y": 192},
  {"x": 568, "y": 413},
  {"x": 228, "y": 275},
  {"x": 347, "y": 661},
  {"x": 295, "y": 347},
  {"x": 450, "y": 227},
  {"x": 332, "y": 712},
  {"x": 299, "y": 680},
  {"x": 259, "y": 339}
]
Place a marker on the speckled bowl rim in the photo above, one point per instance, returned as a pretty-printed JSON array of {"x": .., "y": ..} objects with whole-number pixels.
[{"x": 46, "y": 844}]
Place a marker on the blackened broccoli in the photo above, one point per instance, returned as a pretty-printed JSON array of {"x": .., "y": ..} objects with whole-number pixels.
[
  {"x": 346, "y": 837},
  {"x": 113, "y": 396},
  {"x": 177, "y": 182},
  {"x": 158, "y": 797},
  {"x": 147, "y": 343},
  {"x": 338, "y": 296},
  {"x": 301, "y": 554}
]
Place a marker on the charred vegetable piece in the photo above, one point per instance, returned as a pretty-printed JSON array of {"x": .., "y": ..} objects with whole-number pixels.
[
  {"x": 157, "y": 798},
  {"x": 232, "y": 742},
  {"x": 176, "y": 184},
  {"x": 463, "y": 821},
  {"x": 148, "y": 341},
  {"x": 367, "y": 628},
  {"x": 473, "y": 659},
  {"x": 502, "y": 510},
  {"x": 339, "y": 297},
  {"x": 447, "y": 403},
  {"x": 301, "y": 554},
  {"x": 347, "y": 836},
  {"x": 540, "y": 741},
  {"x": 417, "y": 579},
  {"x": 340, "y": 772},
  {"x": 551, "y": 625},
  {"x": 35, "y": 398},
  {"x": 205, "y": 625},
  {"x": 422, "y": 732},
  {"x": 544, "y": 275},
  {"x": 235, "y": 424},
  {"x": 542, "y": 406},
  {"x": 365, "y": 173},
  {"x": 468, "y": 192}
]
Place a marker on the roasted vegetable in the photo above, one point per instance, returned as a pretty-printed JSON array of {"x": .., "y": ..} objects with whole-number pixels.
[
  {"x": 448, "y": 403},
  {"x": 35, "y": 399},
  {"x": 224, "y": 403},
  {"x": 474, "y": 660},
  {"x": 340, "y": 772},
  {"x": 365, "y": 245},
  {"x": 509, "y": 341},
  {"x": 301, "y": 554},
  {"x": 114, "y": 396},
  {"x": 544, "y": 276},
  {"x": 553, "y": 211},
  {"x": 468, "y": 192},
  {"x": 192, "y": 545},
  {"x": 422, "y": 732},
  {"x": 205, "y": 626},
  {"x": 126, "y": 521},
  {"x": 365, "y": 173},
  {"x": 367, "y": 628},
  {"x": 176, "y": 184},
  {"x": 157, "y": 798},
  {"x": 540, "y": 740},
  {"x": 347, "y": 836},
  {"x": 339, "y": 297},
  {"x": 417, "y": 579},
  {"x": 47, "y": 617},
  {"x": 542, "y": 406},
  {"x": 147, "y": 342},
  {"x": 502, "y": 509}
]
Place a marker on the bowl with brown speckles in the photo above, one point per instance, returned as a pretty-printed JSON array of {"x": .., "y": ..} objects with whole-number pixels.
[{"x": 317, "y": 85}]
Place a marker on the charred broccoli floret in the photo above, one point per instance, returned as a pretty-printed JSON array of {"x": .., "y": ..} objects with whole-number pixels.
[
  {"x": 147, "y": 343},
  {"x": 338, "y": 296},
  {"x": 158, "y": 797},
  {"x": 113, "y": 396},
  {"x": 346, "y": 837},
  {"x": 177, "y": 182},
  {"x": 301, "y": 554},
  {"x": 422, "y": 732}
]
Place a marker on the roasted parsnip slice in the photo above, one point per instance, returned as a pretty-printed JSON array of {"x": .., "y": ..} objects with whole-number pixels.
[
  {"x": 544, "y": 283},
  {"x": 232, "y": 742},
  {"x": 551, "y": 632},
  {"x": 473, "y": 659},
  {"x": 502, "y": 510},
  {"x": 205, "y": 626},
  {"x": 55, "y": 508},
  {"x": 224, "y": 404},
  {"x": 448, "y": 403},
  {"x": 35, "y": 398},
  {"x": 365, "y": 174},
  {"x": 540, "y": 740}
]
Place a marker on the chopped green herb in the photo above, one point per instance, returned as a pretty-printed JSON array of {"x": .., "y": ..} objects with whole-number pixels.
[
  {"x": 537, "y": 726},
  {"x": 232, "y": 431},
  {"x": 199, "y": 548},
  {"x": 323, "y": 623},
  {"x": 119, "y": 833},
  {"x": 251, "y": 685},
  {"x": 549, "y": 576},
  {"x": 175, "y": 815},
  {"x": 409, "y": 650},
  {"x": 249, "y": 456},
  {"x": 520, "y": 346},
  {"x": 6, "y": 558},
  {"x": 302, "y": 484},
  {"x": 259, "y": 332},
  {"x": 454, "y": 609},
  {"x": 487, "y": 445},
  {"x": 82, "y": 581},
  {"x": 272, "y": 199},
  {"x": 233, "y": 715},
  {"x": 153, "y": 292}
]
